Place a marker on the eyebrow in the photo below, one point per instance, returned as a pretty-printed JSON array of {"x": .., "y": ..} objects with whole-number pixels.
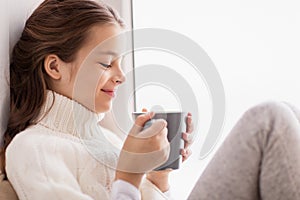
[{"x": 109, "y": 53}]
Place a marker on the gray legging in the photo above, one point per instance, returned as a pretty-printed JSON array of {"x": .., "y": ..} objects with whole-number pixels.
[{"x": 260, "y": 158}]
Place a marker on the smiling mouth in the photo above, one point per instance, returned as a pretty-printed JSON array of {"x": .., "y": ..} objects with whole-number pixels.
[{"x": 111, "y": 93}]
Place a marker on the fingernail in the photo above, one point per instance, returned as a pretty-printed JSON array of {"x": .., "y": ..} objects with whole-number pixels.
[{"x": 151, "y": 114}]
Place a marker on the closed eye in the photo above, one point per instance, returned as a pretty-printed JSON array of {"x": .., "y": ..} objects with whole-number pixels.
[{"x": 106, "y": 65}]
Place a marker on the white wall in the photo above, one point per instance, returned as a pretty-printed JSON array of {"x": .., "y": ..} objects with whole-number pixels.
[
  {"x": 13, "y": 18},
  {"x": 254, "y": 44},
  {"x": 4, "y": 60}
]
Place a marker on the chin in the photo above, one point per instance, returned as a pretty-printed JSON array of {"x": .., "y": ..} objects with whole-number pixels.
[{"x": 103, "y": 108}]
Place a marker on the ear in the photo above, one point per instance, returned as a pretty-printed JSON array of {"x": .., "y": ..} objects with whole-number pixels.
[{"x": 52, "y": 65}]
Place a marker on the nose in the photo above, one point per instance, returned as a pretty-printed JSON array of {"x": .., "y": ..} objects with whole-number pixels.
[{"x": 119, "y": 76}]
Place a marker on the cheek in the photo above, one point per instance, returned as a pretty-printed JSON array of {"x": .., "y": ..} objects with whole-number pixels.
[
  {"x": 86, "y": 85},
  {"x": 102, "y": 81}
]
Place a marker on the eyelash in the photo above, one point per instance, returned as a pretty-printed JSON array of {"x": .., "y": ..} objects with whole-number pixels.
[{"x": 105, "y": 65}]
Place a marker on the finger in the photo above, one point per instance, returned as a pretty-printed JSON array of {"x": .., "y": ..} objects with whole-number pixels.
[
  {"x": 159, "y": 126},
  {"x": 189, "y": 123},
  {"x": 144, "y": 110},
  {"x": 141, "y": 119},
  {"x": 186, "y": 153},
  {"x": 139, "y": 122},
  {"x": 184, "y": 158},
  {"x": 188, "y": 139}
]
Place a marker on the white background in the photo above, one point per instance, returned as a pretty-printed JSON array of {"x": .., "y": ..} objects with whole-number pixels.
[{"x": 255, "y": 46}]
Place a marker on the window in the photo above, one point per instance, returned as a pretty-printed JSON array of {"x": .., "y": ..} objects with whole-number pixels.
[{"x": 253, "y": 44}]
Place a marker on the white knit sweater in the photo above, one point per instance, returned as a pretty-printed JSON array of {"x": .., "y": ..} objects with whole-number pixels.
[{"x": 66, "y": 155}]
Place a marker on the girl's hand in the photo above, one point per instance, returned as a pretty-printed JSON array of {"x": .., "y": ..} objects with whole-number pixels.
[
  {"x": 144, "y": 150},
  {"x": 187, "y": 137}
]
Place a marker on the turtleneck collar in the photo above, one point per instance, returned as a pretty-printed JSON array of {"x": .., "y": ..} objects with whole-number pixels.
[{"x": 68, "y": 116}]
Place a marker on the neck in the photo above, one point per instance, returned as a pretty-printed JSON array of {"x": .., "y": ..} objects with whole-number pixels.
[{"x": 66, "y": 115}]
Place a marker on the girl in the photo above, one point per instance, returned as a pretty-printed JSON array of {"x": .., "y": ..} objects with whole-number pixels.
[{"x": 54, "y": 146}]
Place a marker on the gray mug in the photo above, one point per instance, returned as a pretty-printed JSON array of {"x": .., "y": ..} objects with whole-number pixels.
[{"x": 176, "y": 126}]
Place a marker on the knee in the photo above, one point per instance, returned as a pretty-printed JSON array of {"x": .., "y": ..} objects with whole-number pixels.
[
  {"x": 270, "y": 108},
  {"x": 266, "y": 122},
  {"x": 271, "y": 112}
]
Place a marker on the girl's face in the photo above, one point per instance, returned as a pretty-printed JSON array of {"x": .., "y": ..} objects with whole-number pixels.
[{"x": 93, "y": 77}]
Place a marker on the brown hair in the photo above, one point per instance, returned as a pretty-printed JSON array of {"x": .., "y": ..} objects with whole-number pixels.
[{"x": 56, "y": 27}]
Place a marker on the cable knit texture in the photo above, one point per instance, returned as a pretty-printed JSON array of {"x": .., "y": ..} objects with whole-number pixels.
[{"x": 66, "y": 155}]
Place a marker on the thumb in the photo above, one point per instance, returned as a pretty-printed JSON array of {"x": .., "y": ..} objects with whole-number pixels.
[
  {"x": 156, "y": 128},
  {"x": 140, "y": 121}
]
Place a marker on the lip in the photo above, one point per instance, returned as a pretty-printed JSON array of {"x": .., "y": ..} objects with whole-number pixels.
[{"x": 109, "y": 92}]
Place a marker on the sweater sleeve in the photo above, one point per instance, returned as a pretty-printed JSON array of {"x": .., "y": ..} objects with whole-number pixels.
[
  {"x": 123, "y": 190},
  {"x": 37, "y": 171}
]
